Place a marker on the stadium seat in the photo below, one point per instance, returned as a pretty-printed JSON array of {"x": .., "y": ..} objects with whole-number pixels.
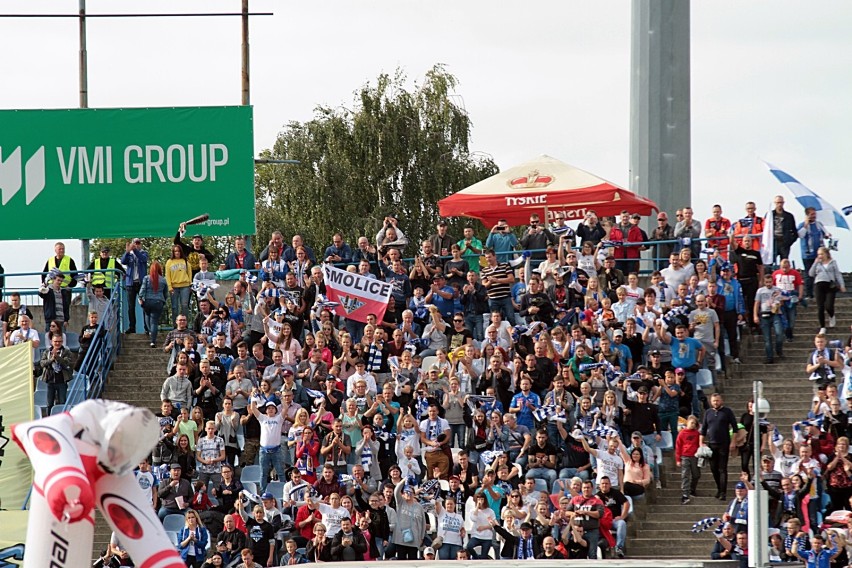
[
  {"x": 40, "y": 398},
  {"x": 72, "y": 341},
  {"x": 667, "y": 443},
  {"x": 174, "y": 523},
  {"x": 251, "y": 473},
  {"x": 277, "y": 490},
  {"x": 541, "y": 485},
  {"x": 58, "y": 409},
  {"x": 704, "y": 378},
  {"x": 173, "y": 536},
  {"x": 250, "y": 486},
  {"x": 428, "y": 362}
]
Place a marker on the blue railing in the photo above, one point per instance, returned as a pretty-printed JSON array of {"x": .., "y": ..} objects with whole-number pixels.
[{"x": 90, "y": 380}]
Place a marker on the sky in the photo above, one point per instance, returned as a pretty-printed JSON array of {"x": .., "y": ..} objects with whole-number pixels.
[{"x": 770, "y": 80}]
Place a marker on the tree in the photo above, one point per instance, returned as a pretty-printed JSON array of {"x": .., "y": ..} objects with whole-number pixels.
[{"x": 398, "y": 152}]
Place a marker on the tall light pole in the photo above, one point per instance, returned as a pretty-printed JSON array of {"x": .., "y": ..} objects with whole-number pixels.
[{"x": 758, "y": 510}]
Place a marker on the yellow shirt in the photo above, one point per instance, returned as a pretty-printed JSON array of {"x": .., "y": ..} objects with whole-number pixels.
[{"x": 178, "y": 274}]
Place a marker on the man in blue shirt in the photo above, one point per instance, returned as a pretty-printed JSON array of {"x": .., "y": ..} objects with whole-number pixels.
[
  {"x": 688, "y": 353},
  {"x": 811, "y": 236},
  {"x": 523, "y": 404},
  {"x": 442, "y": 296},
  {"x": 502, "y": 240},
  {"x": 338, "y": 251}
]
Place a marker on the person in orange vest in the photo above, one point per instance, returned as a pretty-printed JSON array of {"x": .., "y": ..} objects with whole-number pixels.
[
  {"x": 751, "y": 224},
  {"x": 717, "y": 229}
]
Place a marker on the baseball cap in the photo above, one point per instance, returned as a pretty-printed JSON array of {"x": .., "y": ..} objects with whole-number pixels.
[
  {"x": 642, "y": 368},
  {"x": 267, "y": 495},
  {"x": 287, "y": 373},
  {"x": 636, "y": 434},
  {"x": 636, "y": 216},
  {"x": 617, "y": 333},
  {"x": 438, "y": 276},
  {"x": 175, "y": 465},
  {"x": 767, "y": 458},
  {"x": 272, "y": 404},
  {"x": 428, "y": 550},
  {"x": 197, "y": 236},
  {"x": 654, "y": 352},
  {"x": 526, "y": 526},
  {"x": 680, "y": 371},
  {"x": 740, "y": 485},
  {"x": 104, "y": 249},
  {"x": 642, "y": 390}
]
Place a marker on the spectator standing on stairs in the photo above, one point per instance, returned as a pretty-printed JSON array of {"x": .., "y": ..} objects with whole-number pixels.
[{"x": 716, "y": 428}]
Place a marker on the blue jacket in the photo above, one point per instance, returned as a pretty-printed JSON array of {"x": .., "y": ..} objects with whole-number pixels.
[
  {"x": 149, "y": 294},
  {"x": 135, "y": 260},
  {"x": 733, "y": 293},
  {"x": 200, "y": 544},
  {"x": 810, "y": 239},
  {"x": 817, "y": 558},
  {"x": 344, "y": 252},
  {"x": 248, "y": 261}
]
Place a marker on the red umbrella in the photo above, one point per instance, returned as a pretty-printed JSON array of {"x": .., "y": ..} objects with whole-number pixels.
[{"x": 542, "y": 185}]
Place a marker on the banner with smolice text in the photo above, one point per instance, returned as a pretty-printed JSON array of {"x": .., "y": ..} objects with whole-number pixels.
[{"x": 357, "y": 296}]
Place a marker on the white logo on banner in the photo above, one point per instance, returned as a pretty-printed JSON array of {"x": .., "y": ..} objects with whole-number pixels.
[{"x": 11, "y": 176}]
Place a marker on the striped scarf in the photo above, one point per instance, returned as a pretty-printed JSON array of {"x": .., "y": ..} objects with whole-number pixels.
[{"x": 374, "y": 358}]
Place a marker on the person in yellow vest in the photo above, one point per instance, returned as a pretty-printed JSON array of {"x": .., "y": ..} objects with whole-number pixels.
[
  {"x": 64, "y": 263},
  {"x": 105, "y": 279}
]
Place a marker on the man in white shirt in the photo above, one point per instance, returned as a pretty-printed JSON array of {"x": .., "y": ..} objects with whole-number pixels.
[
  {"x": 434, "y": 433},
  {"x": 674, "y": 274},
  {"x": 361, "y": 374},
  {"x": 24, "y": 333},
  {"x": 270, "y": 441}
]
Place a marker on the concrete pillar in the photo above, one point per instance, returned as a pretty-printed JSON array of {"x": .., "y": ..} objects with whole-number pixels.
[{"x": 659, "y": 103}]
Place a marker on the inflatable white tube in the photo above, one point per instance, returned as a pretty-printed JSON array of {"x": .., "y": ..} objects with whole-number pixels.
[
  {"x": 51, "y": 542},
  {"x": 128, "y": 511},
  {"x": 60, "y": 475}
]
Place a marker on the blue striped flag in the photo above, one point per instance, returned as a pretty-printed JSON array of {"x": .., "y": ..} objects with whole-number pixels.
[{"x": 827, "y": 214}]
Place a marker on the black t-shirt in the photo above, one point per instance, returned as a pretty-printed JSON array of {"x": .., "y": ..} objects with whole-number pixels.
[
  {"x": 259, "y": 535},
  {"x": 749, "y": 260},
  {"x": 576, "y": 551},
  {"x": 262, "y": 364},
  {"x": 542, "y": 453},
  {"x": 87, "y": 334},
  {"x": 12, "y": 317},
  {"x": 614, "y": 501},
  {"x": 456, "y": 339},
  {"x": 636, "y": 347}
]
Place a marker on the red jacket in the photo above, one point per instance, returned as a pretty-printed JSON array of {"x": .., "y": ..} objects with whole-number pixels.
[
  {"x": 686, "y": 444},
  {"x": 634, "y": 235}
]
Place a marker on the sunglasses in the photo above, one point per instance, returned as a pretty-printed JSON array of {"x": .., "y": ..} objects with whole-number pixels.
[{"x": 458, "y": 321}]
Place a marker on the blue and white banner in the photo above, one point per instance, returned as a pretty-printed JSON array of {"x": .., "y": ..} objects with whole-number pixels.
[{"x": 827, "y": 214}]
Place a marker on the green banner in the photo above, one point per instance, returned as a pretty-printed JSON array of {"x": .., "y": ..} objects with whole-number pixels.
[{"x": 90, "y": 173}]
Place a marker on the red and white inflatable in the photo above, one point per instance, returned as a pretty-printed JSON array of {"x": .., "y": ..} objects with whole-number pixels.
[{"x": 83, "y": 459}]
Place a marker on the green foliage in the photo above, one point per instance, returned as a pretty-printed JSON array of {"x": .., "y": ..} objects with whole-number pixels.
[
  {"x": 160, "y": 248},
  {"x": 398, "y": 152}
]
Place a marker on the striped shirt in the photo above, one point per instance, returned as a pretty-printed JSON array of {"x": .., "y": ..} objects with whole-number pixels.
[{"x": 498, "y": 291}]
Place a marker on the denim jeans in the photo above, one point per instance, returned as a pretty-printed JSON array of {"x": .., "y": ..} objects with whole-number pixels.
[
  {"x": 448, "y": 551},
  {"x": 669, "y": 419},
  {"x": 592, "y": 537},
  {"x": 809, "y": 280},
  {"x": 270, "y": 458},
  {"x": 481, "y": 542},
  {"x": 620, "y": 527},
  {"x": 504, "y": 306},
  {"x": 474, "y": 323},
  {"x": 789, "y": 311},
  {"x": 569, "y": 472},
  {"x": 152, "y": 312},
  {"x": 651, "y": 441},
  {"x": 696, "y": 404},
  {"x": 767, "y": 324},
  {"x": 180, "y": 301},
  {"x": 457, "y": 432},
  {"x": 58, "y": 392},
  {"x": 542, "y": 472}
]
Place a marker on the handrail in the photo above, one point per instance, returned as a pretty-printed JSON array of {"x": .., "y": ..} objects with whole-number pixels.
[{"x": 101, "y": 354}]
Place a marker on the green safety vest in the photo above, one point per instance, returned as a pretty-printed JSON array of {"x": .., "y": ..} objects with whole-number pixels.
[
  {"x": 100, "y": 277},
  {"x": 64, "y": 266}
]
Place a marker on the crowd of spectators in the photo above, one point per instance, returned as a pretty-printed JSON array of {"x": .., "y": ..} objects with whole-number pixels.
[{"x": 492, "y": 409}]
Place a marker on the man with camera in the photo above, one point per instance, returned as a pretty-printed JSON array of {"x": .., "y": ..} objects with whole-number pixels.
[
  {"x": 502, "y": 240},
  {"x": 537, "y": 237}
]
